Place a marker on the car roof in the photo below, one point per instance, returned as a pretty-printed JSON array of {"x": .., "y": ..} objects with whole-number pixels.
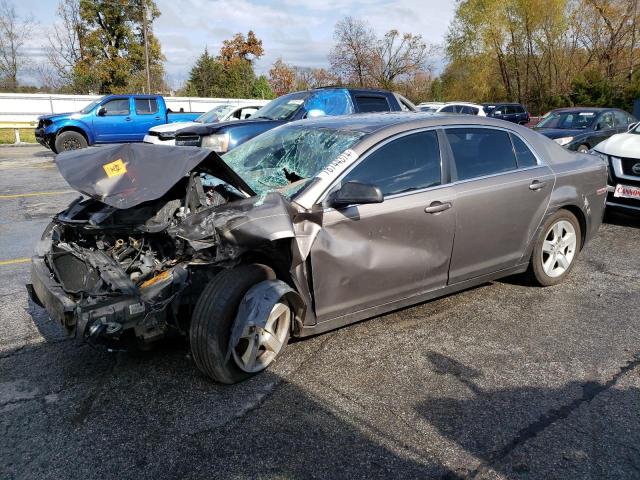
[{"x": 583, "y": 109}]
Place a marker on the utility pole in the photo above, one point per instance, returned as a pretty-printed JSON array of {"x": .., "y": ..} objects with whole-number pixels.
[{"x": 146, "y": 44}]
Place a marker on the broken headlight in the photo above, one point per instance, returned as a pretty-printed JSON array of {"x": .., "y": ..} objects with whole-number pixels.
[{"x": 219, "y": 143}]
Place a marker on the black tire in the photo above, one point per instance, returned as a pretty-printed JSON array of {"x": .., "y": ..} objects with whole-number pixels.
[
  {"x": 537, "y": 269},
  {"x": 583, "y": 148},
  {"x": 213, "y": 318},
  {"x": 70, "y": 140}
]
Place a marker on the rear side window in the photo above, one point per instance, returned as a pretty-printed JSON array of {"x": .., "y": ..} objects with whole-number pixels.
[
  {"x": 119, "y": 106},
  {"x": 409, "y": 163},
  {"x": 372, "y": 104},
  {"x": 524, "y": 155},
  {"x": 146, "y": 106},
  {"x": 468, "y": 110},
  {"x": 622, "y": 119},
  {"x": 478, "y": 151},
  {"x": 449, "y": 109}
]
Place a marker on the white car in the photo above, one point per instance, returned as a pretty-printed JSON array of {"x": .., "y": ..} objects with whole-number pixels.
[
  {"x": 165, "y": 134},
  {"x": 462, "y": 107},
  {"x": 430, "y": 106},
  {"x": 622, "y": 154}
]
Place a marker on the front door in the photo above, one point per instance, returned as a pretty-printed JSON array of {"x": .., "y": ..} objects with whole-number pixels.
[
  {"x": 371, "y": 255},
  {"x": 147, "y": 116},
  {"x": 501, "y": 194},
  {"x": 114, "y": 123}
]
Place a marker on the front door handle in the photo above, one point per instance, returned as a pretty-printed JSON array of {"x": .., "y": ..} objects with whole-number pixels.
[
  {"x": 128, "y": 119},
  {"x": 437, "y": 207},
  {"x": 537, "y": 185}
]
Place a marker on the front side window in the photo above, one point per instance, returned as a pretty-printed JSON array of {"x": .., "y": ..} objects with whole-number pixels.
[
  {"x": 621, "y": 118},
  {"x": 449, "y": 109},
  {"x": 119, "y": 106},
  {"x": 481, "y": 151},
  {"x": 606, "y": 121},
  {"x": 409, "y": 163},
  {"x": 370, "y": 103},
  {"x": 146, "y": 106}
]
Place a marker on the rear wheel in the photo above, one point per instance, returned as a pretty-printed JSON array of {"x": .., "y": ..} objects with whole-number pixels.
[
  {"x": 557, "y": 248},
  {"x": 70, "y": 140},
  {"x": 212, "y": 323}
]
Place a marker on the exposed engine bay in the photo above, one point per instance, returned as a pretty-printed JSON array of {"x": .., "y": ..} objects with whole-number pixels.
[{"x": 128, "y": 265}]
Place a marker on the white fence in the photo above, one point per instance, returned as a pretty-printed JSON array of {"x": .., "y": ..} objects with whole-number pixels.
[{"x": 26, "y": 107}]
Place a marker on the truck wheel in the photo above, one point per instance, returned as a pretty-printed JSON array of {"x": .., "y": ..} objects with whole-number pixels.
[
  {"x": 556, "y": 250},
  {"x": 70, "y": 141},
  {"x": 212, "y": 322}
]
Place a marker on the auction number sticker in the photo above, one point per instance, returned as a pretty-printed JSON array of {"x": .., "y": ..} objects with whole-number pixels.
[
  {"x": 115, "y": 168},
  {"x": 336, "y": 167}
]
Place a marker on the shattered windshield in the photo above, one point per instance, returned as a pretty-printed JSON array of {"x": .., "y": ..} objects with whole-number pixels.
[
  {"x": 287, "y": 158},
  {"x": 213, "y": 115},
  {"x": 281, "y": 108},
  {"x": 89, "y": 107}
]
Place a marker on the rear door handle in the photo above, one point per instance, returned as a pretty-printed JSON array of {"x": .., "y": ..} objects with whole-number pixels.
[
  {"x": 437, "y": 207},
  {"x": 537, "y": 185},
  {"x": 157, "y": 118}
]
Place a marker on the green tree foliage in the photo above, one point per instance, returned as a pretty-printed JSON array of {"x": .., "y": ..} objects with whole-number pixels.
[
  {"x": 230, "y": 74},
  {"x": 112, "y": 47}
]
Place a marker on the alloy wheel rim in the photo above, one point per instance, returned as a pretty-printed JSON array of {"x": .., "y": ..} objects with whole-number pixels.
[
  {"x": 558, "y": 248},
  {"x": 71, "y": 144},
  {"x": 257, "y": 347}
]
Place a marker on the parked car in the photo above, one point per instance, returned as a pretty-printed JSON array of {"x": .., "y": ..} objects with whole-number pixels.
[
  {"x": 110, "y": 119},
  {"x": 166, "y": 134},
  {"x": 306, "y": 228},
  {"x": 329, "y": 101},
  {"x": 511, "y": 112},
  {"x": 579, "y": 129},
  {"x": 461, "y": 107},
  {"x": 430, "y": 107},
  {"x": 621, "y": 152}
]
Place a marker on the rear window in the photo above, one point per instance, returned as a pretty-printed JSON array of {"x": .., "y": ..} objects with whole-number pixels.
[
  {"x": 146, "y": 106},
  {"x": 481, "y": 151},
  {"x": 368, "y": 103},
  {"x": 524, "y": 155}
]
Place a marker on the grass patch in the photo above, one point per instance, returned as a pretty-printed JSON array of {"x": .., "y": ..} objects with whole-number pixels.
[{"x": 7, "y": 135}]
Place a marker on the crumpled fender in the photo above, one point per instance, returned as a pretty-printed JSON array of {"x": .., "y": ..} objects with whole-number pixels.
[{"x": 257, "y": 304}]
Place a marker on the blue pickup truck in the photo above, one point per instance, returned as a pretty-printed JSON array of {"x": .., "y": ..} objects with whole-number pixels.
[{"x": 110, "y": 119}]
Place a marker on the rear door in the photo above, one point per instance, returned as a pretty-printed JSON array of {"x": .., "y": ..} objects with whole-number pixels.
[
  {"x": 370, "y": 255},
  {"x": 147, "y": 115},
  {"x": 502, "y": 192}
]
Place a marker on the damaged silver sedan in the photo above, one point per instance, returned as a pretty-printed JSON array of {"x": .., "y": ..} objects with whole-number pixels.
[{"x": 306, "y": 228}]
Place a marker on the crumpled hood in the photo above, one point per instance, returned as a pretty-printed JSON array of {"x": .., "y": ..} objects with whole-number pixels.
[
  {"x": 259, "y": 125},
  {"x": 559, "y": 132},
  {"x": 56, "y": 116},
  {"x": 125, "y": 175},
  {"x": 626, "y": 145}
]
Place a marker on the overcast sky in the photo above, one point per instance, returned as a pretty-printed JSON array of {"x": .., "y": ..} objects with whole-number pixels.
[{"x": 299, "y": 31}]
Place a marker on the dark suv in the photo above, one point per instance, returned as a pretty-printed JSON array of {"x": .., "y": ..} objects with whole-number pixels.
[
  {"x": 511, "y": 112},
  {"x": 319, "y": 102}
]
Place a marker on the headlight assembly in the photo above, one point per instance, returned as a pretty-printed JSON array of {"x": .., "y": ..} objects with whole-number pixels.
[
  {"x": 563, "y": 140},
  {"x": 218, "y": 142},
  {"x": 603, "y": 156}
]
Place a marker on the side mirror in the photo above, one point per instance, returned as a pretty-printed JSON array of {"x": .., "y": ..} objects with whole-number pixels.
[
  {"x": 355, "y": 193},
  {"x": 101, "y": 111},
  {"x": 632, "y": 126}
]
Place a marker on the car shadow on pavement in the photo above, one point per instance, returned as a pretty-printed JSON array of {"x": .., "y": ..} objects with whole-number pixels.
[
  {"x": 72, "y": 411},
  {"x": 579, "y": 430},
  {"x": 622, "y": 219}
]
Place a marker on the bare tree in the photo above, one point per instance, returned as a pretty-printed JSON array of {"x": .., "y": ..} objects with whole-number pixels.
[
  {"x": 14, "y": 31},
  {"x": 351, "y": 56},
  {"x": 65, "y": 44},
  {"x": 398, "y": 55}
]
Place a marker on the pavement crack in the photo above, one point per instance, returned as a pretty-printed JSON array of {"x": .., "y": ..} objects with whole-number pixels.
[{"x": 590, "y": 390}]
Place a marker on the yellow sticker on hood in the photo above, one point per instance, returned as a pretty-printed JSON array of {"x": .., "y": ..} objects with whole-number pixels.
[{"x": 115, "y": 168}]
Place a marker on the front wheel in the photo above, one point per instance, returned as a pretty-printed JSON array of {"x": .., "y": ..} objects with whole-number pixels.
[
  {"x": 557, "y": 248},
  {"x": 213, "y": 321},
  {"x": 583, "y": 148},
  {"x": 70, "y": 140}
]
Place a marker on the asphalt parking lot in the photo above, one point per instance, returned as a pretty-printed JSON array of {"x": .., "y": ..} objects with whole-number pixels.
[{"x": 501, "y": 381}]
